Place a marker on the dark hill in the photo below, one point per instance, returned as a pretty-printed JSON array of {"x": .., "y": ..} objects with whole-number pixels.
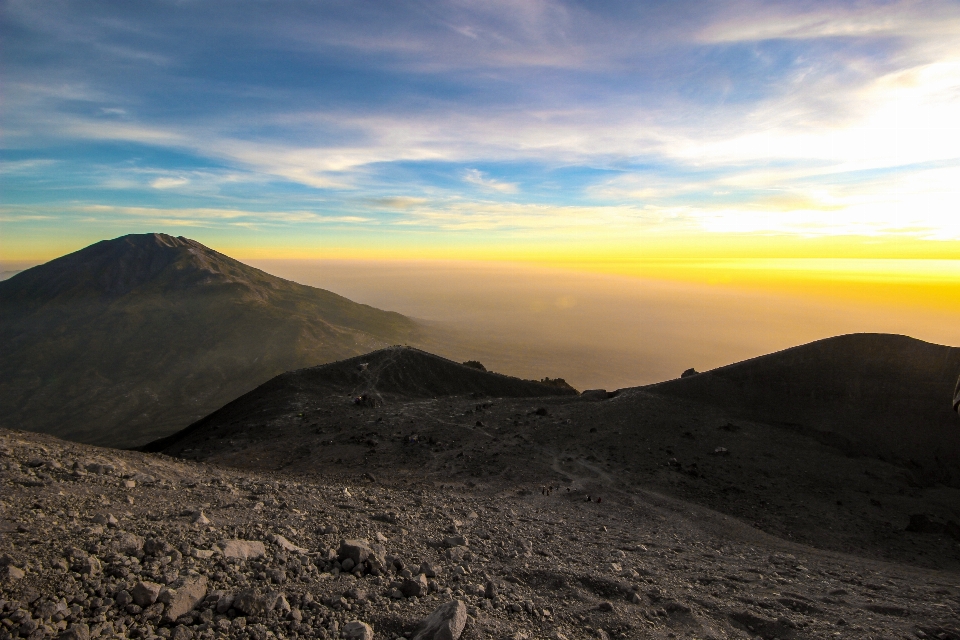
[
  {"x": 131, "y": 339},
  {"x": 870, "y": 394},
  {"x": 389, "y": 376},
  {"x": 809, "y": 444}
]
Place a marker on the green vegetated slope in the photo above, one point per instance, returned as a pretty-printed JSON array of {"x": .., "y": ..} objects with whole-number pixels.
[{"x": 131, "y": 339}]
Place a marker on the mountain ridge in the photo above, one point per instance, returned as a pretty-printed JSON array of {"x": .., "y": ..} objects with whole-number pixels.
[
  {"x": 386, "y": 376},
  {"x": 884, "y": 394},
  {"x": 782, "y": 470},
  {"x": 133, "y": 338}
]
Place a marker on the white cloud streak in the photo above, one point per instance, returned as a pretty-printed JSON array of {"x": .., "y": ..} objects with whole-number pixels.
[
  {"x": 474, "y": 176},
  {"x": 881, "y": 94}
]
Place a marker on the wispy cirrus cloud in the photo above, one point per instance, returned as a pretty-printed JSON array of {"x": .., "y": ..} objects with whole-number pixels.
[
  {"x": 169, "y": 183},
  {"x": 477, "y": 177},
  {"x": 747, "y": 116}
]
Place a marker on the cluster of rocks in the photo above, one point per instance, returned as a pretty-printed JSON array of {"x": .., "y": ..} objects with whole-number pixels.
[{"x": 107, "y": 544}]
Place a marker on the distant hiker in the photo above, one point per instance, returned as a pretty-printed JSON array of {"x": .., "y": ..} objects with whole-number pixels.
[
  {"x": 588, "y": 498},
  {"x": 599, "y": 500}
]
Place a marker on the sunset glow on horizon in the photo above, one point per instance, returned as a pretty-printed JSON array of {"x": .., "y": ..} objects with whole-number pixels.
[{"x": 773, "y": 145}]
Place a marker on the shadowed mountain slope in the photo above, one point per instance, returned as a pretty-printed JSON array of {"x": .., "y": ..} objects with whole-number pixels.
[
  {"x": 389, "y": 376},
  {"x": 750, "y": 440},
  {"x": 869, "y": 394},
  {"x": 131, "y": 339}
]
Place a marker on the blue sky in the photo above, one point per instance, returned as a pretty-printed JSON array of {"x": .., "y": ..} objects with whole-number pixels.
[{"x": 337, "y": 125}]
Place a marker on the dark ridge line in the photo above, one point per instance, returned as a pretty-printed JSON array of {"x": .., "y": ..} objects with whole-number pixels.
[{"x": 162, "y": 443}]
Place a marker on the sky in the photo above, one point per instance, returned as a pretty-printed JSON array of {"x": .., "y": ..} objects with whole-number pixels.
[{"x": 596, "y": 136}]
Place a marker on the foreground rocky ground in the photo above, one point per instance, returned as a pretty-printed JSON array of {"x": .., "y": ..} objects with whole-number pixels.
[{"x": 106, "y": 543}]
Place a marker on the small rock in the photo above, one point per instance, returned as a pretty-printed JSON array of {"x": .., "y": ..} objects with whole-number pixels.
[
  {"x": 242, "y": 549},
  {"x": 458, "y": 540},
  {"x": 252, "y": 603},
  {"x": 50, "y": 608},
  {"x": 429, "y": 569},
  {"x": 89, "y": 566},
  {"x": 106, "y": 519},
  {"x": 200, "y": 519},
  {"x": 129, "y": 544},
  {"x": 285, "y": 544},
  {"x": 145, "y": 594},
  {"x": 361, "y": 551},
  {"x": 445, "y": 623},
  {"x": 356, "y": 550},
  {"x": 10, "y": 574},
  {"x": 77, "y": 631},
  {"x": 594, "y": 394},
  {"x": 185, "y": 598},
  {"x": 182, "y": 632},
  {"x": 357, "y": 630},
  {"x": 155, "y": 547},
  {"x": 224, "y": 602},
  {"x": 415, "y": 587}
]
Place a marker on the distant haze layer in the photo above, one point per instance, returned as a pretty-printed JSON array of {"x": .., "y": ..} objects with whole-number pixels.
[{"x": 612, "y": 331}]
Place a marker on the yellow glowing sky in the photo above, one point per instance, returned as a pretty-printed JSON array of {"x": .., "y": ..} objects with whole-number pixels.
[{"x": 802, "y": 148}]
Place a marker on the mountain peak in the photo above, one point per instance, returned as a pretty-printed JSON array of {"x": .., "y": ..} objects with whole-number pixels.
[
  {"x": 135, "y": 337},
  {"x": 117, "y": 267}
]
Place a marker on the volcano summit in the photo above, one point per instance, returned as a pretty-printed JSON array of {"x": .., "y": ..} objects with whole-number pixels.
[{"x": 131, "y": 339}]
